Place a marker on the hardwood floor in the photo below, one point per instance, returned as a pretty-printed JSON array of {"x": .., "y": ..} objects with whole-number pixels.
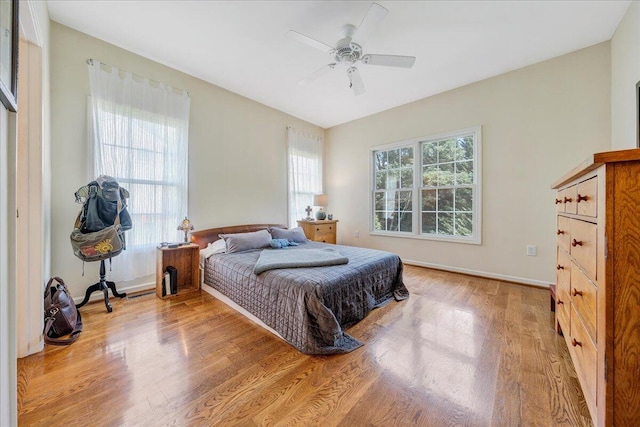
[{"x": 461, "y": 351}]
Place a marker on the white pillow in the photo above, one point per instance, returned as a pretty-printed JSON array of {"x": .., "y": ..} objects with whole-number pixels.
[{"x": 217, "y": 247}]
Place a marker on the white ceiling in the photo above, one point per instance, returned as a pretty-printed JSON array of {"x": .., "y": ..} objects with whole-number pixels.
[{"x": 242, "y": 45}]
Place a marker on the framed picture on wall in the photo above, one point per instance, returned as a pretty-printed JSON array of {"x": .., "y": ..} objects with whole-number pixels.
[{"x": 9, "y": 54}]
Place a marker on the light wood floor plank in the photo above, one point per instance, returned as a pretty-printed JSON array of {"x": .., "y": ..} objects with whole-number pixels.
[{"x": 461, "y": 351}]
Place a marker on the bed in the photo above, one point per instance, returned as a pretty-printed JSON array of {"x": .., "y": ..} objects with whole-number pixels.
[{"x": 308, "y": 307}]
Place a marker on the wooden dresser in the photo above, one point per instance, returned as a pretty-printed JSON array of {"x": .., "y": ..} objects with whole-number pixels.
[
  {"x": 320, "y": 230},
  {"x": 598, "y": 281}
]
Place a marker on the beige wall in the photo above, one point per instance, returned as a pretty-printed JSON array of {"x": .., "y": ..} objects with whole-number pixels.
[
  {"x": 625, "y": 74},
  {"x": 237, "y": 148},
  {"x": 537, "y": 122}
]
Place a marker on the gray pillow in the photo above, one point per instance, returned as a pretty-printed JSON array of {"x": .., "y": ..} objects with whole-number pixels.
[
  {"x": 293, "y": 235},
  {"x": 245, "y": 241}
]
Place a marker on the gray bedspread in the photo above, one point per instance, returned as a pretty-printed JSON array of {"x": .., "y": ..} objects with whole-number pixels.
[
  {"x": 310, "y": 307},
  {"x": 271, "y": 259}
]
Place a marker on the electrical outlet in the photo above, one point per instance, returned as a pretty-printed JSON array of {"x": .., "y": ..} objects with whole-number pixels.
[
  {"x": 356, "y": 234},
  {"x": 532, "y": 250}
]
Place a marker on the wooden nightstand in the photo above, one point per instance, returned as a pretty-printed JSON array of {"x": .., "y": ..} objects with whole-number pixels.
[
  {"x": 186, "y": 259},
  {"x": 320, "y": 230}
]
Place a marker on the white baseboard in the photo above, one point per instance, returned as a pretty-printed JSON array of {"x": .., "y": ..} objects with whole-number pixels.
[
  {"x": 515, "y": 279},
  {"x": 99, "y": 296}
]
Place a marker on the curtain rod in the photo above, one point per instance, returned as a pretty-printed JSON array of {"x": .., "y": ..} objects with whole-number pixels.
[
  {"x": 309, "y": 135},
  {"x": 91, "y": 60}
]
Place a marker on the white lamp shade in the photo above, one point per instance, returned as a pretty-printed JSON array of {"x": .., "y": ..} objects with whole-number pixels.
[{"x": 320, "y": 200}]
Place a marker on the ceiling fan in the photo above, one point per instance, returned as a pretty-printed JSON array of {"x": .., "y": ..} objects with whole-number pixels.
[{"x": 348, "y": 50}]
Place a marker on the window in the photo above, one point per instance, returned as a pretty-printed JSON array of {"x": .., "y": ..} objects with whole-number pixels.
[
  {"x": 139, "y": 164},
  {"x": 393, "y": 192},
  {"x": 428, "y": 188},
  {"x": 305, "y": 173}
]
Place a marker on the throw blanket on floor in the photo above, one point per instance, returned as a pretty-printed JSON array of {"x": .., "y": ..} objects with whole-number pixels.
[{"x": 271, "y": 259}]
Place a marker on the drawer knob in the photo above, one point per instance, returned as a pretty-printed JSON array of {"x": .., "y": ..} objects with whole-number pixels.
[
  {"x": 568, "y": 200},
  {"x": 581, "y": 198},
  {"x": 576, "y": 343},
  {"x": 559, "y": 267},
  {"x": 577, "y": 292},
  {"x": 317, "y": 229},
  {"x": 576, "y": 243},
  {"x": 558, "y": 201},
  {"x": 559, "y": 232},
  {"x": 330, "y": 228},
  {"x": 560, "y": 301}
]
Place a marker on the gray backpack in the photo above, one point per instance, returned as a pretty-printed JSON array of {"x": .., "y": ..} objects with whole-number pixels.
[
  {"x": 98, "y": 232},
  {"x": 100, "y": 205}
]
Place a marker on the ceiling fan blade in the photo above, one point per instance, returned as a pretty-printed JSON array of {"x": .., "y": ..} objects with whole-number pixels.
[
  {"x": 355, "y": 81},
  {"x": 369, "y": 23},
  {"x": 389, "y": 60},
  {"x": 317, "y": 74},
  {"x": 309, "y": 41}
]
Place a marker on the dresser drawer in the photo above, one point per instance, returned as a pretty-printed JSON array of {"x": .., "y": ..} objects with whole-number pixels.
[
  {"x": 586, "y": 199},
  {"x": 325, "y": 238},
  {"x": 563, "y": 233},
  {"x": 563, "y": 288},
  {"x": 321, "y": 229},
  {"x": 563, "y": 271},
  {"x": 585, "y": 357},
  {"x": 583, "y": 246},
  {"x": 325, "y": 233},
  {"x": 569, "y": 199},
  {"x": 584, "y": 299}
]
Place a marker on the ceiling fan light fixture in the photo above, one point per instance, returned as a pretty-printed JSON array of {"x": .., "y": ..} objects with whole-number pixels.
[{"x": 348, "y": 50}]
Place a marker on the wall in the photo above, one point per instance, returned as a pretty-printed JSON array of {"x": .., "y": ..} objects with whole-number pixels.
[
  {"x": 625, "y": 74},
  {"x": 237, "y": 148},
  {"x": 537, "y": 123}
]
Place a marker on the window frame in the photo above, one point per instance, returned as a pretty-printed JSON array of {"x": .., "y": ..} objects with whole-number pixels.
[
  {"x": 127, "y": 183},
  {"x": 416, "y": 143}
]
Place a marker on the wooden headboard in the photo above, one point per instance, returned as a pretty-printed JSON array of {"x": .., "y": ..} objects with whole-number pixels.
[{"x": 203, "y": 237}]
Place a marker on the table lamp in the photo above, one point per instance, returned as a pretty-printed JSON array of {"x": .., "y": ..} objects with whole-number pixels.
[
  {"x": 186, "y": 226},
  {"x": 320, "y": 200}
]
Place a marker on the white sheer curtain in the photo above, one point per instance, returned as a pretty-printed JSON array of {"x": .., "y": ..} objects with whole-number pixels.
[
  {"x": 305, "y": 154},
  {"x": 140, "y": 137}
]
